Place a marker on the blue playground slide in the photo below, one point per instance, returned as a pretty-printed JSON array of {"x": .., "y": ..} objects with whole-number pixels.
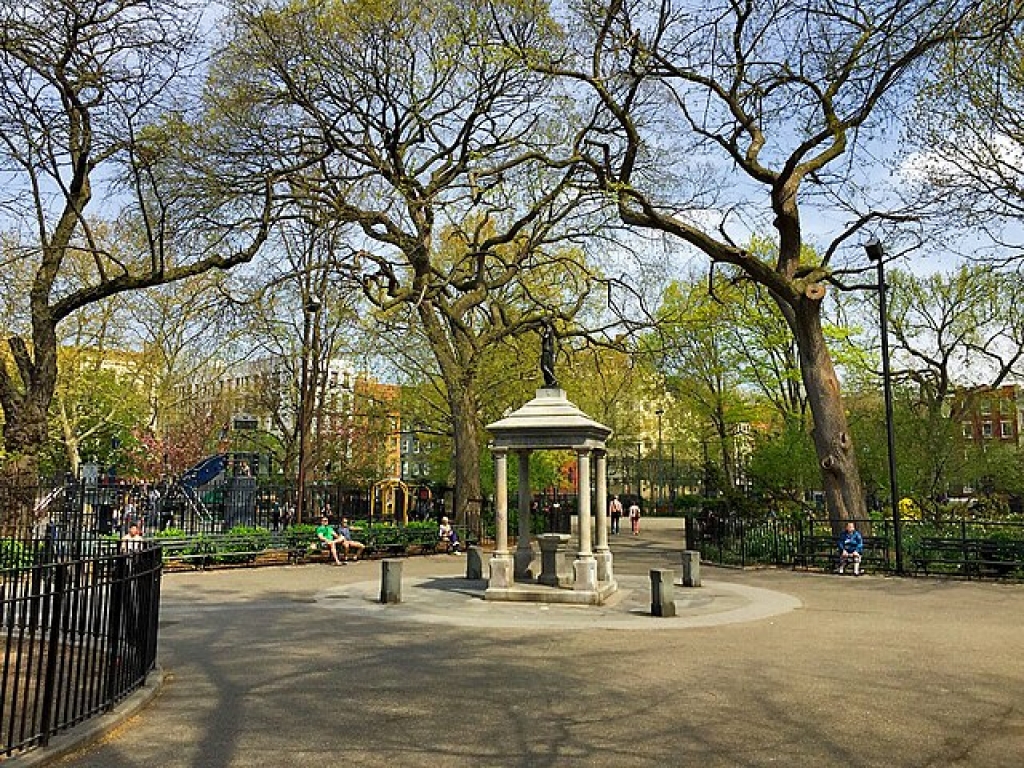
[{"x": 204, "y": 471}]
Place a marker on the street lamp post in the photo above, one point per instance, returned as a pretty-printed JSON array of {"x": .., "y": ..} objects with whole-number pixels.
[
  {"x": 876, "y": 253},
  {"x": 659, "y": 475},
  {"x": 639, "y": 476},
  {"x": 310, "y": 307}
]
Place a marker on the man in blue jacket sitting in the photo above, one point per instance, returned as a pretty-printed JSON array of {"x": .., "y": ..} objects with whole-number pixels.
[{"x": 851, "y": 545}]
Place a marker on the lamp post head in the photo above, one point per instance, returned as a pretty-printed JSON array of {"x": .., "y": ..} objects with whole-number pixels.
[{"x": 874, "y": 249}]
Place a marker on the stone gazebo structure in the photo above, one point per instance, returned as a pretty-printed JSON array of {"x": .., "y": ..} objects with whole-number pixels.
[{"x": 550, "y": 422}]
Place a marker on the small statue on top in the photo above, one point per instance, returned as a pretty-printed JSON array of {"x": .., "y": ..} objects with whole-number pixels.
[{"x": 548, "y": 353}]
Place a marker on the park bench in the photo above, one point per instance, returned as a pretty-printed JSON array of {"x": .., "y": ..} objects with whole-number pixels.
[
  {"x": 218, "y": 550},
  {"x": 969, "y": 557},
  {"x": 399, "y": 542},
  {"x": 202, "y": 552},
  {"x": 823, "y": 551},
  {"x": 388, "y": 542},
  {"x": 998, "y": 557}
]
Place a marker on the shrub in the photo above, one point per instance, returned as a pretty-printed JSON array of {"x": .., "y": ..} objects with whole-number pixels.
[
  {"x": 171, "y": 533},
  {"x": 14, "y": 554},
  {"x": 300, "y": 535},
  {"x": 243, "y": 538}
]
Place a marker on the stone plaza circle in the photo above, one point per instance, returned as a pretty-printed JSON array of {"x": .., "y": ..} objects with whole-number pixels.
[{"x": 551, "y": 422}]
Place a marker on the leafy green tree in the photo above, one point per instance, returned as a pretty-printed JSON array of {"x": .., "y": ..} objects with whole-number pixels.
[
  {"x": 955, "y": 336},
  {"x": 185, "y": 334},
  {"x": 98, "y": 407},
  {"x": 769, "y": 101},
  {"x": 81, "y": 85},
  {"x": 782, "y": 468},
  {"x": 409, "y": 125},
  {"x": 957, "y": 330}
]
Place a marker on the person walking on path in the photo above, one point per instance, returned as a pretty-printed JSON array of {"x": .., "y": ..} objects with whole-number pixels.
[
  {"x": 615, "y": 512},
  {"x": 634, "y": 518}
]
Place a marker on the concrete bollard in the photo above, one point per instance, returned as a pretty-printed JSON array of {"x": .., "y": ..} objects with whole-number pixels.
[
  {"x": 474, "y": 563},
  {"x": 691, "y": 568},
  {"x": 662, "y": 592},
  {"x": 391, "y": 581}
]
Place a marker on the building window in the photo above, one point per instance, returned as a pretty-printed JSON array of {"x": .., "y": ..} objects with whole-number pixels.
[
  {"x": 416, "y": 446},
  {"x": 1005, "y": 429},
  {"x": 986, "y": 406},
  {"x": 986, "y": 429}
]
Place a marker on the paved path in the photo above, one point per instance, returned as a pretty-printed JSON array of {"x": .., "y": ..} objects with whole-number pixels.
[{"x": 296, "y": 666}]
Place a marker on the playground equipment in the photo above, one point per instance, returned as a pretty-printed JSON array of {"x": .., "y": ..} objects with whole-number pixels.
[
  {"x": 186, "y": 487},
  {"x": 390, "y": 501}
]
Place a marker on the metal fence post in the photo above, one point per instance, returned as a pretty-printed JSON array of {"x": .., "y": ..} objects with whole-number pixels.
[
  {"x": 743, "y": 545},
  {"x": 114, "y": 628},
  {"x": 50, "y": 678},
  {"x": 963, "y": 549}
]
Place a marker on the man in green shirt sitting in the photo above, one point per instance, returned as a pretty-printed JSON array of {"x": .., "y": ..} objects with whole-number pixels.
[{"x": 329, "y": 538}]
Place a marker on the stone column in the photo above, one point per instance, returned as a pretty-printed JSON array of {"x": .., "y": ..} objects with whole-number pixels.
[
  {"x": 662, "y": 592},
  {"x": 585, "y": 565},
  {"x": 691, "y": 568},
  {"x": 391, "y": 581},
  {"x": 524, "y": 547},
  {"x": 501, "y": 562},
  {"x": 602, "y": 551},
  {"x": 474, "y": 563}
]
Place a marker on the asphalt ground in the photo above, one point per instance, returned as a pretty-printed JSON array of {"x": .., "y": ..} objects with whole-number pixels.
[{"x": 300, "y": 666}]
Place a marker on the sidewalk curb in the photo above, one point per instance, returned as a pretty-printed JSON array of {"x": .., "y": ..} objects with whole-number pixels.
[{"x": 95, "y": 728}]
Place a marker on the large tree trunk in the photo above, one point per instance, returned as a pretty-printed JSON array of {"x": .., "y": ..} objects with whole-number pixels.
[
  {"x": 25, "y": 428},
  {"x": 455, "y": 359},
  {"x": 24, "y": 432},
  {"x": 468, "y": 489},
  {"x": 844, "y": 494}
]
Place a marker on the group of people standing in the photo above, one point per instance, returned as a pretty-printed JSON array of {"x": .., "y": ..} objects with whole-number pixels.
[{"x": 615, "y": 513}]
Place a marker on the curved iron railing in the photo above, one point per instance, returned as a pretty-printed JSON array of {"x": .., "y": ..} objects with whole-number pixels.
[{"x": 79, "y": 628}]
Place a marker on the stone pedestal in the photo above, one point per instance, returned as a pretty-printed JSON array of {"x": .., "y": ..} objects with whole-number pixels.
[
  {"x": 691, "y": 568},
  {"x": 662, "y": 592},
  {"x": 604, "y": 565},
  {"x": 586, "y": 575},
  {"x": 501, "y": 573},
  {"x": 391, "y": 581},
  {"x": 523, "y": 561},
  {"x": 474, "y": 563},
  {"x": 554, "y": 570}
]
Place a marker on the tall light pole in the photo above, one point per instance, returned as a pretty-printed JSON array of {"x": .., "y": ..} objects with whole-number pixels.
[
  {"x": 659, "y": 474},
  {"x": 639, "y": 476},
  {"x": 876, "y": 253},
  {"x": 310, "y": 307}
]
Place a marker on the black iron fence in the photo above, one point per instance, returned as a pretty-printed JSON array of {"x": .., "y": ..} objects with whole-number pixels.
[
  {"x": 67, "y": 509},
  {"x": 79, "y": 627},
  {"x": 963, "y": 548}
]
